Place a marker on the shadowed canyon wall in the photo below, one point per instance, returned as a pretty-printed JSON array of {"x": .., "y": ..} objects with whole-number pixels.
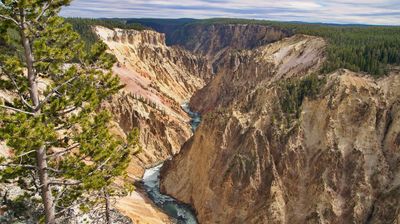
[
  {"x": 269, "y": 151},
  {"x": 159, "y": 78}
]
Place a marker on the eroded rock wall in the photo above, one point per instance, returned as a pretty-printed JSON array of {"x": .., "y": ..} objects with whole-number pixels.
[
  {"x": 250, "y": 161},
  {"x": 157, "y": 79}
]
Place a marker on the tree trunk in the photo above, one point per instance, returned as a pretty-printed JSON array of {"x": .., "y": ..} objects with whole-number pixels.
[
  {"x": 108, "y": 207},
  {"x": 29, "y": 59},
  {"x": 41, "y": 161},
  {"x": 47, "y": 196}
]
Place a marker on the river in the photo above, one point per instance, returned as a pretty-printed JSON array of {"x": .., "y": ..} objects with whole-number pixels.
[{"x": 181, "y": 213}]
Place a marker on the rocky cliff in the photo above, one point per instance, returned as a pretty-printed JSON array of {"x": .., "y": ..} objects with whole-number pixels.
[
  {"x": 242, "y": 70},
  {"x": 210, "y": 39},
  {"x": 157, "y": 79},
  {"x": 278, "y": 144},
  {"x": 281, "y": 145},
  {"x": 214, "y": 41}
]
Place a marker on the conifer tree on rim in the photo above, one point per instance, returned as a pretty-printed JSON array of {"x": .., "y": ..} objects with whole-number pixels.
[{"x": 61, "y": 145}]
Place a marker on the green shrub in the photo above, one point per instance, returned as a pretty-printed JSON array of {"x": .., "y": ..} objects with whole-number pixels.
[
  {"x": 360, "y": 48},
  {"x": 293, "y": 93},
  {"x": 83, "y": 27}
]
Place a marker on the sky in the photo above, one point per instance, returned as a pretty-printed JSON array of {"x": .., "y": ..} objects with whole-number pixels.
[{"x": 375, "y": 12}]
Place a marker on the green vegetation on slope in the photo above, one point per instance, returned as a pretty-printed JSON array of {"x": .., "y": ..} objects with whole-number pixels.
[
  {"x": 371, "y": 49},
  {"x": 63, "y": 155},
  {"x": 360, "y": 48},
  {"x": 293, "y": 93},
  {"x": 83, "y": 27}
]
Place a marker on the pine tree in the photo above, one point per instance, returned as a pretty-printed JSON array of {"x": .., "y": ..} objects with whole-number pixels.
[{"x": 59, "y": 135}]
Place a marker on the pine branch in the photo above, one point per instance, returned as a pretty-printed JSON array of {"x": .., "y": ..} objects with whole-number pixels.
[
  {"x": 66, "y": 183},
  {"x": 47, "y": 98},
  {"x": 61, "y": 153},
  {"x": 64, "y": 209},
  {"x": 18, "y": 165},
  {"x": 53, "y": 170},
  {"x": 101, "y": 166},
  {"x": 60, "y": 194},
  {"x": 27, "y": 153},
  {"x": 10, "y": 19},
  {"x": 67, "y": 208},
  {"x": 34, "y": 181},
  {"x": 45, "y": 7},
  {"x": 16, "y": 110},
  {"x": 63, "y": 127},
  {"x": 20, "y": 94},
  {"x": 68, "y": 110}
]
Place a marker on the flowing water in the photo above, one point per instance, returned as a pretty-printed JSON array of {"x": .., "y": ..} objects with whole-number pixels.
[
  {"x": 181, "y": 213},
  {"x": 196, "y": 118}
]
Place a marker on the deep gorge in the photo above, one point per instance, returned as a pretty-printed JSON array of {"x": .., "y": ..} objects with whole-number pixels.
[
  {"x": 199, "y": 121},
  {"x": 252, "y": 159}
]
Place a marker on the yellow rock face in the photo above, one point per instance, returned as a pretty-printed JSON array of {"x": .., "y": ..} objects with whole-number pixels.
[
  {"x": 158, "y": 79},
  {"x": 250, "y": 162}
]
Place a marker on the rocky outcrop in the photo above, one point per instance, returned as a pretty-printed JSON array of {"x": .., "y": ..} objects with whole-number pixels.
[
  {"x": 241, "y": 71},
  {"x": 264, "y": 156},
  {"x": 214, "y": 41},
  {"x": 210, "y": 39},
  {"x": 157, "y": 79}
]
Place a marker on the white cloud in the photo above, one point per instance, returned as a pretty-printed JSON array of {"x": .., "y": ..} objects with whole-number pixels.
[{"x": 386, "y": 12}]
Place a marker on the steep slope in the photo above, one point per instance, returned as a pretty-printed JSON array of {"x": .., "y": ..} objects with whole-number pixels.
[
  {"x": 214, "y": 41},
  {"x": 211, "y": 39},
  {"x": 278, "y": 146},
  {"x": 158, "y": 79},
  {"x": 241, "y": 71}
]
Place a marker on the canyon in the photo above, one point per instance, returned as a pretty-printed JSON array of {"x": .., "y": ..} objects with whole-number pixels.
[
  {"x": 329, "y": 155},
  {"x": 279, "y": 142},
  {"x": 158, "y": 79}
]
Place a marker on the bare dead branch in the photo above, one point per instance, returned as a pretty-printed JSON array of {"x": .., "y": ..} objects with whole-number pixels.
[
  {"x": 44, "y": 9},
  {"x": 47, "y": 98},
  {"x": 20, "y": 94},
  {"x": 16, "y": 110},
  {"x": 10, "y": 19},
  {"x": 61, "y": 153},
  {"x": 65, "y": 183}
]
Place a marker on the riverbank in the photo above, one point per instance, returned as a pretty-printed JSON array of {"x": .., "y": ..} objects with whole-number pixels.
[
  {"x": 140, "y": 209},
  {"x": 179, "y": 212}
]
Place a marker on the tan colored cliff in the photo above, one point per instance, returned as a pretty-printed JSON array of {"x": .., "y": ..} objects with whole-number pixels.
[
  {"x": 252, "y": 162},
  {"x": 158, "y": 79},
  {"x": 241, "y": 71},
  {"x": 215, "y": 40}
]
